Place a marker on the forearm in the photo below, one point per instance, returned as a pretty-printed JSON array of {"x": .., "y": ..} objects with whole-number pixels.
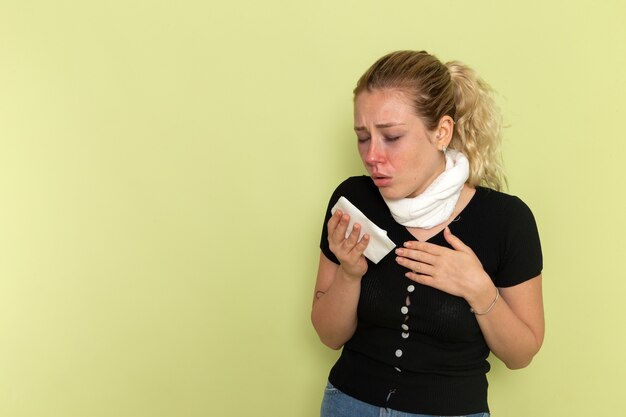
[
  {"x": 334, "y": 313},
  {"x": 514, "y": 329},
  {"x": 508, "y": 337}
]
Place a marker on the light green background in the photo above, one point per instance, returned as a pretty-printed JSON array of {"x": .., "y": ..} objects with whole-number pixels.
[{"x": 164, "y": 168}]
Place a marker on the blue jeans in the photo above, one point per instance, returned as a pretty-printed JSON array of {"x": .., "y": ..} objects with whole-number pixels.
[{"x": 338, "y": 404}]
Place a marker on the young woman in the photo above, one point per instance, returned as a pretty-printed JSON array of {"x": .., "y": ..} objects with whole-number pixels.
[{"x": 464, "y": 279}]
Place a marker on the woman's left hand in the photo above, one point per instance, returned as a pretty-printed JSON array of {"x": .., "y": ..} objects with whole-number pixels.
[{"x": 457, "y": 271}]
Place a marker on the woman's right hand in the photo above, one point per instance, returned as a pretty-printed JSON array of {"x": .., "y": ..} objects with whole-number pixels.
[{"x": 349, "y": 251}]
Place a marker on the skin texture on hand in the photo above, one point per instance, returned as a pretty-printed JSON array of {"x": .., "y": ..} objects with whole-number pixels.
[
  {"x": 457, "y": 271},
  {"x": 349, "y": 251}
]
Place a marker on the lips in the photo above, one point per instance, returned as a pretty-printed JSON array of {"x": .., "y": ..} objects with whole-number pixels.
[{"x": 381, "y": 180}]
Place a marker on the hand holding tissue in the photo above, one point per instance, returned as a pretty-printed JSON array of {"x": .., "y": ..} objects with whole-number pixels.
[{"x": 380, "y": 244}]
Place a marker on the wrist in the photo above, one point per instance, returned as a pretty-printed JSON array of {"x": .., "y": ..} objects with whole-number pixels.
[
  {"x": 485, "y": 306},
  {"x": 483, "y": 294},
  {"x": 351, "y": 277}
]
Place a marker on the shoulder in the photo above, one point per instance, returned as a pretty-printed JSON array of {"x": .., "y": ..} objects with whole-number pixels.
[
  {"x": 504, "y": 215},
  {"x": 511, "y": 225},
  {"x": 356, "y": 184},
  {"x": 362, "y": 193},
  {"x": 498, "y": 197},
  {"x": 356, "y": 189},
  {"x": 500, "y": 204}
]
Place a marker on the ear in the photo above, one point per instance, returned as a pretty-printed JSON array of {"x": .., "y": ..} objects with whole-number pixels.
[{"x": 443, "y": 133}]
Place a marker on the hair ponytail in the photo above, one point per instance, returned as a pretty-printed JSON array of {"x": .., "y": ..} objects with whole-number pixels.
[{"x": 477, "y": 129}]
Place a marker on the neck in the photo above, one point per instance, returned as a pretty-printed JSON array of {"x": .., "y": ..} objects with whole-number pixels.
[{"x": 433, "y": 205}]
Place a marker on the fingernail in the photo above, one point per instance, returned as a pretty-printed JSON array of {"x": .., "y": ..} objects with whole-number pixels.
[{"x": 399, "y": 251}]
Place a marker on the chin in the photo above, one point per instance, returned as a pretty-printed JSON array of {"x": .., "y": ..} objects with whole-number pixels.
[{"x": 390, "y": 194}]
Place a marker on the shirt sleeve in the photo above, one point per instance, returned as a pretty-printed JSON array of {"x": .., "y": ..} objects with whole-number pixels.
[{"x": 522, "y": 258}]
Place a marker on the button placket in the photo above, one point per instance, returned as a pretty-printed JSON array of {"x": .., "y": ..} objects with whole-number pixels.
[{"x": 404, "y": 334}]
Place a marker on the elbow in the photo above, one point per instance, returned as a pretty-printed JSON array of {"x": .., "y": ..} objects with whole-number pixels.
[
  {"x": 328, "y": 338},
  {"x": 519, "y": 364},
  {"x": 524, "y": 360},
  {"x": 332, "y": 345}
]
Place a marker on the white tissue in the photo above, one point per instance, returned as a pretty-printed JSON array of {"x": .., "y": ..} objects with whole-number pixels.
[{"x": 379, "y": 245}]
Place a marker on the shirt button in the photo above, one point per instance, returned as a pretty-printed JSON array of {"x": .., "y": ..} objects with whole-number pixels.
[
  {"x": 397, "y": 369},
  {"x": 405, "y": 327},
  {"x": 404, "y": 310},
  {"x": 398, "y": 353},
  {"x": 410, "y": 288},
  {"x": 405, "y": 335}
]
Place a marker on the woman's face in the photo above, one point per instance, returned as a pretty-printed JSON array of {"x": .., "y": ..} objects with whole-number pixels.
[{"x": 400, "y": 154}]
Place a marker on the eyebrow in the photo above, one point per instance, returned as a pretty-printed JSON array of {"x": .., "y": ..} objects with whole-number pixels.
[{"x": 379, "y": 126}]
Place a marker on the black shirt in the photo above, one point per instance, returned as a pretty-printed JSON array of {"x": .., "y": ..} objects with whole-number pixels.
[{"x": 431, "y": 359}]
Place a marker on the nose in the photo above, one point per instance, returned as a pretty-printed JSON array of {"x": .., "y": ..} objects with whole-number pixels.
[{"x": 373, "y": 154}]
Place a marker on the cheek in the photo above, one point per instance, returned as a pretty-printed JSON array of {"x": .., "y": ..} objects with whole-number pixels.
[
  {"x": 402, "y": 161},
  {"x": 362, "y": 149}
]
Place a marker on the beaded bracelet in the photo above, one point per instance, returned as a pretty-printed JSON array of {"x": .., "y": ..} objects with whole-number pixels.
[{"x": 493, "y": 303}]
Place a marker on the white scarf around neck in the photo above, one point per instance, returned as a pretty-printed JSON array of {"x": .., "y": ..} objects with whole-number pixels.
[{"x": 436, "y": 204}]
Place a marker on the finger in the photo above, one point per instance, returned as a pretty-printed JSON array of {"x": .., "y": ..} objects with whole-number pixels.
[
  {"x": 454, "y": 241},
  {"x": 334, "y": 219},
  {"x": 421, "y": 279},
  {"x": 333, "y": 222},
  {"x": 361, "y": 245},
  {"x": 339, "y": 234},
  {"x": 416, "y": 267},
  {"x": 353, "y": 238},
  {"x": 424, "y": 247},
  {"x": 417, "y": 255},
  {"x": 353, "y": 253}
]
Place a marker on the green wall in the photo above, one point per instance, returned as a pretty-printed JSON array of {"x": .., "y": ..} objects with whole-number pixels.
[{"x": 164, "y": 169}]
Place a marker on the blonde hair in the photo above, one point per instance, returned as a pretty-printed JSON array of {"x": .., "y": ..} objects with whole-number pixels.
[{"x": 437, "y": 90}]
